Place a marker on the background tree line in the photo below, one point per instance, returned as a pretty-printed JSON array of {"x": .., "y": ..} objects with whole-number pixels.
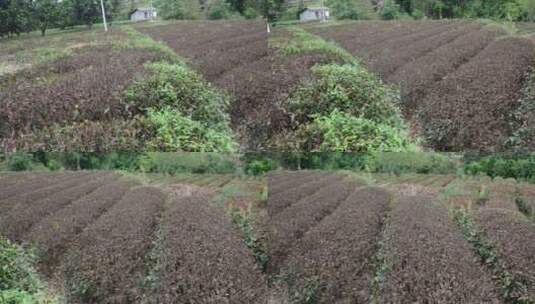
[
  {"x": 217, "y": 9},
  {"x": 24, "y": 16},
  {"x": 510, "y": 10}
]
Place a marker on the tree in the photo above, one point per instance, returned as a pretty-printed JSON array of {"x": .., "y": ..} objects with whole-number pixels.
[
  {"x": 4, "y": 4},
  {"x": 65, "y": 14},
  {"x": 390, "y": 10},
  {"x": 178, "y": 9},
  {"x": 351, "y": 9},
  {"x": 218, "y": 9},
  {"x": 271, "y": 9},
  {"x": 17, "y": 17},
  {"x": 528, "y": 9},
  {"x": 46, "y": 14},
  {"x": 86, "y": 11}
]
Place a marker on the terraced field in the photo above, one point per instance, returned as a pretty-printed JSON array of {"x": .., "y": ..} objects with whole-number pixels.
[
  {"x": 460, "y": 80},
  {"x": 386, "y": 244},
  {"x": 106, "y": 238},
  {"x": 330, "y": 237},
  {"x": 237, "y": 57}
]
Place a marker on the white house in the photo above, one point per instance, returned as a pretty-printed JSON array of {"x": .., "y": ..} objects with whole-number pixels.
[
  {"x": 143, "y": 13},
  {"x": 314, "y": 13}
]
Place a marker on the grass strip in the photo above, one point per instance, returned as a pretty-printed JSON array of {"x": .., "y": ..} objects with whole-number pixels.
[
  {"x": 487, "y": 253},
  {"x": 300, "y": 41}
]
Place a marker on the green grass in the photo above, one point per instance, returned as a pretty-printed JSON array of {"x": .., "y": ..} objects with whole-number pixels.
[
  {"x": 296, "y": 290},
  {"x": 301, "y": 41},
  {"x": 41, "y": 55},
  {"x": 154, "y": 257},
  {"x": 509, "y": 27},
  {"x": 488, "y": 256},
  {"x": 244, "y": 220},
  {"x": 244, "y": 217},
  {"x": 138, "y": 40},
  {"x": 382, "y": 263}
]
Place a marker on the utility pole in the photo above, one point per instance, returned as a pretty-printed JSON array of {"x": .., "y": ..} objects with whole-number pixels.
[{"x": 104, "y": 15}]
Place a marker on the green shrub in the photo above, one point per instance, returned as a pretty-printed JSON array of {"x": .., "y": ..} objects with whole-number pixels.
[
  {"x": 219, "y": 9},
  {"x": 390, "y": 10},
  {"x": 260, "y": 166},
  {"x": 347, "y": 88},
  {"x": 20, "y": 162},
  {"x": 351, "y": 9},
  {"x": 176, "y": 132},
  {"x": 15, "y": 296},
  {"x": 175, "y": 163},
  {"x": 19, "y": 283},
  {"x": 342, "y": 132},
  {"x": 250, "y": 13},
  {"x": 505, "y": 166},
  {"x": 418, "y": 14},
  {"x": 16, "y": 271},
  {"x": 182, "y": 89}
]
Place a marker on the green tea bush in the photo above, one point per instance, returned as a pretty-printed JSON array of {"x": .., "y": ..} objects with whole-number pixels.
[
  {"x": 176, "y": 132},
  {"x": 347, "y": 88},
  {"x": 183, "y": 110},
  {"x": 342, "y": 132},
  {"x": 178, "y": 87}
]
